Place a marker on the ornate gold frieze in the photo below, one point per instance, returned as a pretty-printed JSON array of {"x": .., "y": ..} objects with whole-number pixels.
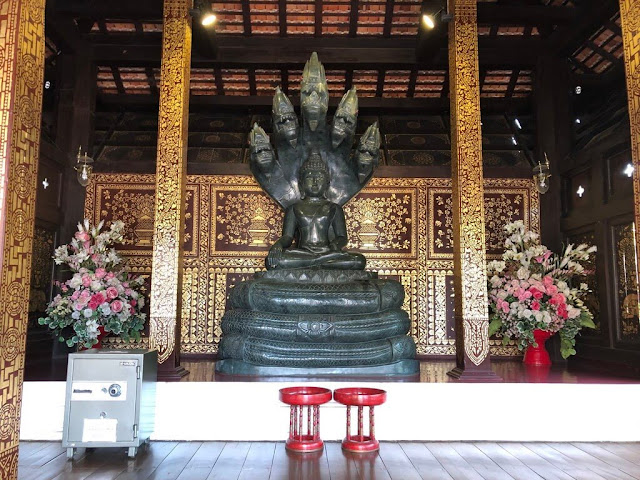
[
  {"x": 627, "y": 283},
  {"x": 21, "y": 74},
  {"x": 218, "y": 263}
]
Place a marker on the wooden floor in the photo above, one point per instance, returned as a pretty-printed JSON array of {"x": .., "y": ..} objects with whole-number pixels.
[{"x": 402, "y": 461}]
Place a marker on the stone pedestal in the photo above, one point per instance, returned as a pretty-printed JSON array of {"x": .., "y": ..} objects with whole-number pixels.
[{"x": 317, "y": 323}]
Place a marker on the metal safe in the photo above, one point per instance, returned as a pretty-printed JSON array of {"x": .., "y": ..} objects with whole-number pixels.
[{"x": 110, "y": 400}]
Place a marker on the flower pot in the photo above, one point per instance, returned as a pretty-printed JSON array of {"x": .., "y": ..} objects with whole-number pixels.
[{"x": 538, "y": 355}]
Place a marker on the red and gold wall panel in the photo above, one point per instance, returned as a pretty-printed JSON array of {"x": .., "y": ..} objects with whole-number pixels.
[{"x": 402, "y": 225}]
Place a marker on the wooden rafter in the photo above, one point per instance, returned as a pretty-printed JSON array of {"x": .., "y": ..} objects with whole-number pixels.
[
  {"x": 380, "y": 83},
  {"x": 151, "y": 78},
  {"x": 246, "y": 17},
  {"x": 282, "y": 15},
  {"x": 252, "y": 81},
  {"x": 284, "y": 80},
  {"x": 513, "y": 81},
  {"x": 413, "y": 78},
  {"x": 217, "y": 71},
  {"x": 353, "y": 18},
  {"x": 117, "y": 79},
  {"x": 388, "y": 18},
  {"x": 318, "y": 18}
]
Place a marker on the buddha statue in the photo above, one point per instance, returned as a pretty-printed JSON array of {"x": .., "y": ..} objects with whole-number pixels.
[{"x": 318, "y": 225}]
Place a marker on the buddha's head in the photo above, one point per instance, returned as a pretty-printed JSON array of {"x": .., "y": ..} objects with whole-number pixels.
[
  {"x": 314, "y": 176},
  {"x": 262, "y": 153},
  {"x": 314, "y": 94},
  {"x": 344, "y": 121},
  {"x": 285, "y": 122}
]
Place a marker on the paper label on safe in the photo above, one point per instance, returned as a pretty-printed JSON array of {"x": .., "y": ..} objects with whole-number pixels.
[{"x": 99, "y": 430}]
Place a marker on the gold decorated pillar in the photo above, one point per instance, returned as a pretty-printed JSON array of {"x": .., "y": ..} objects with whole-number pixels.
[
  {"x": 630, "y": 19},
  {"x": 22, "y": 71},
  {"x": 471, "y": 301},
  {"x": 171, "y": 170}
]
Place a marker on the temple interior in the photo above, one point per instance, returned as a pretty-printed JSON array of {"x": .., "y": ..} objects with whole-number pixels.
[{"x": 480, "y": 113}]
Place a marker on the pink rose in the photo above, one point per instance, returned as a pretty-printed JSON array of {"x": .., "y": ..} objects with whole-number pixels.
[
  {"x": 99, "y": 298},
  {"x": 133, "y": 302},
  {"x": 116, "y": 306},
  {"x": 535, "y": 305},
  {"x": 537, "y": 294},
  {"x": 93, "y": 305},
  {"x": 100, "y": 272},
  {"x": 547, "y": 281},
  {"x": 552, "y": 290},
  {"x": 86, "y": 280},
  {"x": 562, "y": 311},
  {"x": 112, "y": 292},
  {"x": 110, "y": 275},
  {"x": 75, "y": 295},
  {"x": 132, "y": 310}
]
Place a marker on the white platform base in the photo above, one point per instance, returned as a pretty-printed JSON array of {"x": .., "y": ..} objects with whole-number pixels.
[{"x": 237, "y": 411}]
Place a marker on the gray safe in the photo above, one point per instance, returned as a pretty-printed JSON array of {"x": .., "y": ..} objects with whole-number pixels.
[{"x": 110, "y": 400}]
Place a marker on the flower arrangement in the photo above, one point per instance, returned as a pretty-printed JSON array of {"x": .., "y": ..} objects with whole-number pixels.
[
  {"x": 100, "y": 293},
  {"x": 531, "y": 289}
]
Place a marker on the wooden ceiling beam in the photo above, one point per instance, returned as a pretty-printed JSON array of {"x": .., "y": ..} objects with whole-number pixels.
[
  {"x": 366, "y": 105},
  {"x": 236, "y": 53},
  {"x": 493, "y": 13}
]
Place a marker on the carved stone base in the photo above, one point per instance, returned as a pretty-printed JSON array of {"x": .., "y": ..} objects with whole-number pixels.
[{"x": 409, "y": 368}]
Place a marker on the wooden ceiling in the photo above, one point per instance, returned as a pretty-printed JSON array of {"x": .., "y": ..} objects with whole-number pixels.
[{"x": 370, "y": 44}]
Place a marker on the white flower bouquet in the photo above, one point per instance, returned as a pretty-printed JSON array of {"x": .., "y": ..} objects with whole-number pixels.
[
  {"x": 101, "y": 295},
  {"x": 531, "y": 289}
]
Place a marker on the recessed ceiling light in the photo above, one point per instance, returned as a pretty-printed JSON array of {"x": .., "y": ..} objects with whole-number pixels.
[
  {"x": 628, "y": 170},
  {"x": 580, "y": 191}
]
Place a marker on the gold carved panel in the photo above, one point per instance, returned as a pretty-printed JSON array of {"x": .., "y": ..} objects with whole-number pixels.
[{"x": 388, "y": 221}]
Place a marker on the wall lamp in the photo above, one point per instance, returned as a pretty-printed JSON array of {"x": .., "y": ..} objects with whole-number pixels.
[
  {"x": 83, "y": 167},
  {"x": 434, "y": 12},
  {"x": 541, "y": 175},
  {"x": 202, "y": 10}
]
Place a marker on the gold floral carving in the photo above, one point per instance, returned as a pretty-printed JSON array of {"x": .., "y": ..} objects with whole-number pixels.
[
  {"x": 630, "y": 25},
  {"x": 170, "y": 178},
  {"x": 215, "y": 267},
  {"x": 21, "y": 74},
  {"x": 468, "y": 197},
  {"x": 627, "y": 282}
]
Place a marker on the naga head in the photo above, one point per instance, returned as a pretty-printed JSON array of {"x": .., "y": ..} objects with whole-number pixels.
[
  {"x": 345, "y": 118},
  {"x": 368, "y": 152},
  {"x": 285, "y": 122},
  {"x": 314, "y": 93},
  {"x": 262, "y": 153}
]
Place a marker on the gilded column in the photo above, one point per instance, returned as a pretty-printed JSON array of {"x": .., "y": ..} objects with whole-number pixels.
[
  {"x": 21, "y": 70},
  {"x": 166, "y": 281},
  {"x": 630, "y": 19},
  {"x": 471, "y": 301}
]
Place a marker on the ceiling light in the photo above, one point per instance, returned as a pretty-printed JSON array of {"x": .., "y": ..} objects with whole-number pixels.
[
  {"x": 513, "y": 140},
  {"x": 517, "y": 122},
  {"x": 578, "y": 90},
  {"x": 428, "y": 21},
  {"x": 83, "y": 167},
  {"x": 45, "y": 183},
  {"x": 628, "y": 170},
  {"x": 578, "y": 121},
  {"x": 208, "y": 18},
  {"x": 580, "y": 191},
  {"x": 47, "y": 84}
]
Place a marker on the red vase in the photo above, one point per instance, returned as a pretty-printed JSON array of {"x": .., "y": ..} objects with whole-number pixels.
[
  {"x": 538, "y": 355},
  {"x": 101, "y": 335}
]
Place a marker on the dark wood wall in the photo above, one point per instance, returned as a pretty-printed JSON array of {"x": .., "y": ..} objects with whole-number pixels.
[{"x": 602, "y": 214}]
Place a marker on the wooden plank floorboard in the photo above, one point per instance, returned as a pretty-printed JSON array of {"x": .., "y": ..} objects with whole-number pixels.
[
  {"x": 341, "y": 467},
  {"x": 147, "y": 460},
  {"x": 612, "y": 459},
  {"x": 173, "y": 464},
  {"x": 535, "y": 462},
  {"x": 628, "y": 451},
  {"x": 452, "y": 462},
  {"x": 590, "y": 462},
  {"x": 427, "y": 466},
  {"x": 482, "y": 464},
  {"x": 397, "y": 462},
  {"x": 510, "y": 464},
  {"x": 394, "y": 461},
  {"x": 575, "y": 470},
  {"x": 202, "y": 462},
  {"x": 230, "y": 461},
  {"x": 257, "y": 465}
]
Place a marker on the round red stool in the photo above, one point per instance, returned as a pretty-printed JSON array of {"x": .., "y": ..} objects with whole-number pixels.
[
  {"x": 298, "y": 398},
  {"x": 360, "y": 397}
]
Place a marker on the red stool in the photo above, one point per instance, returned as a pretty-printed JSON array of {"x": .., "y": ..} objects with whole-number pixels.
[
  {"x": 360, "y": 397},
  {"x": 298, "y": 398}
]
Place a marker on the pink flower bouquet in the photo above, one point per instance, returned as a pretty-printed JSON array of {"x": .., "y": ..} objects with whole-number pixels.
[
  {"x": 99, "y": 294},
  {"x": 531, "y": 289}
]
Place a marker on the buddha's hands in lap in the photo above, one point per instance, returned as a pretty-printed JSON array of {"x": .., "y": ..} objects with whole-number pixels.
[{"x": 275, "y": 255}]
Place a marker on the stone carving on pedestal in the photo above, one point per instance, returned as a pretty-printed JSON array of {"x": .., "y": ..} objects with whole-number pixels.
[{"x": 315, "y": 311}]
